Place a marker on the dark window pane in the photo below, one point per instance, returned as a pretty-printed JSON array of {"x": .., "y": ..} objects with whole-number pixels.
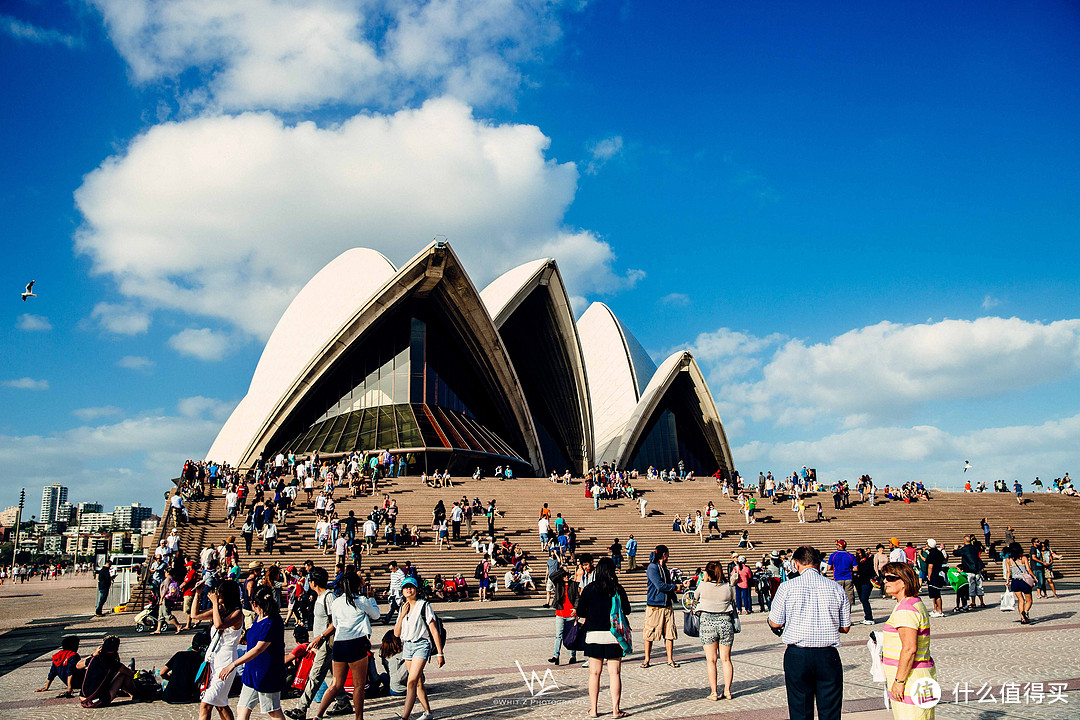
[
  {"x": 387, "y": 434},
  {"x": 408, "y": 432},
  {"x": 332, "y": 437},
  {"x": 367, "y": 431},
  {"x": 348, "y": 437}
]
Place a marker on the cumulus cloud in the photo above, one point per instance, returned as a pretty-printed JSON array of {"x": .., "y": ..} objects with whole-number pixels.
[
  {"x": 115, "y": 463},
  {"x": 201, "y": 343},
  {"x": 199, "y": 406},
  {"x": 675, "y": 299},
  {"x": 274, "y": 54},
  {"x": 120, "y": 318},
  {"x": 135, "y": 362},
  {"x": 601, "y": 151},
  {"x": 227, "y": 217},
  {"x": 888, "y": 369},
  {"x": 93, "y": 413},
  {"x": 26, "y": 383},
  {"x": 889, "y": 453},
  {"x": 32, "y": 33},
  {"x": 725, "y": 354},
  {"x": 989, "y": 302},
  {"x": 33, "y": 323}
]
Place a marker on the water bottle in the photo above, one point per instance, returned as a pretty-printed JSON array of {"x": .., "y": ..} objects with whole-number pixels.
[{"x": 132, "y": 666}]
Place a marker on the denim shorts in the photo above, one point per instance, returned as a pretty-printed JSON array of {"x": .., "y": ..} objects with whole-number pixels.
[{"x": 420, "y": 649}]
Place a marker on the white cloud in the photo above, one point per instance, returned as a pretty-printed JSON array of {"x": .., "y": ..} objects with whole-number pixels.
[
  {"x": 32, "y": 33},
  {"x": 120, "y": 318},
  {"x": 26, "y": 383},
  {"x": 201, "y": 343},
  {"x": 888, "y": 370},
  {"x": 989, "y": 302},
  {"x": 275, "y": 54},
  {"x": 93, "y": 413},
  {"x": 227, "y": 217},
  {"x": 601, "y": 152},
  {"x": 136, "y": 362},
  {"x": 935, "y": 456},
  {"x": 725, "y": 354},
  {"x": 675, "y": 299},
  {"x": 118, "y": 463},
  {"x": 33, "y": 323},
  {"x": 198, "y": 407}
]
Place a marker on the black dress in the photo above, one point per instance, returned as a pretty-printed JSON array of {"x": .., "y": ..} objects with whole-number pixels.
[{"x": 595, "y": 606}]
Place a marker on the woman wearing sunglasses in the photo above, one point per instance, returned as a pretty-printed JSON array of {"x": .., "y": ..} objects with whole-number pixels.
[{"x": 906, "y": 650}]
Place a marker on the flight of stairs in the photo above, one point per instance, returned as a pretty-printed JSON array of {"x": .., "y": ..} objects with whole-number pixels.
[{"x": 947, "y": 518}]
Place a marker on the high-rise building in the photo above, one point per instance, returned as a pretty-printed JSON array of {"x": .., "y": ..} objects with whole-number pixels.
[
  {"x": 52, "y": 496},
  {"x": 94, "y": 521},
  {"x": 131, "y": 516},
  {"x": 8, "y": 515},
  {"x": 86, "y": 507},
  {"x": 65, "y": 513}
]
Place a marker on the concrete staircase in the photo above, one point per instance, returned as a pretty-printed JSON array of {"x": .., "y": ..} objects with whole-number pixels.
[{"x": 946, "y": 518}]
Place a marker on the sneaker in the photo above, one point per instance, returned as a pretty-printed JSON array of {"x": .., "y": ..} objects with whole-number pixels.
[
  {"x": 554, "y": 660},
  {"x": 937, "y": 614},
  {"x": 571, "y": 661},
  {"x": 425, "y": 716},
  {"x": 296, "y": 714},
  {"x": 867, "y": 622}
]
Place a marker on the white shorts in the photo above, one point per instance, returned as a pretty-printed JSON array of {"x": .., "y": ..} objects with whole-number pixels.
[
  {"x": 975, "y": 585},
  {"x": 268, "y": 702}
]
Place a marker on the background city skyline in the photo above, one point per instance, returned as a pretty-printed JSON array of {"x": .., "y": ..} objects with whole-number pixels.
[{"x": 862, "y": 221}]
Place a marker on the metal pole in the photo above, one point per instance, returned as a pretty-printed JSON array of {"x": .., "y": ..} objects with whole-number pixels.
[{"x": 18, "y": 522}]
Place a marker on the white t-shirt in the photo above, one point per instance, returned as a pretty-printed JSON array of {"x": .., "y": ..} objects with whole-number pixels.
[
  {"x": 340, "y": 545},
  {"x": 369, "y": 528},
  {"x": 230, "y": 499},
  {"x": 414, "y": 626},
  {"x": 353, "y": 622},
  {"x": 544, "y": 526}
]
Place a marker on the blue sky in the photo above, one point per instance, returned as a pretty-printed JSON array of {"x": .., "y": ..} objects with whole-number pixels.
[{"x": 862, "y": 220}]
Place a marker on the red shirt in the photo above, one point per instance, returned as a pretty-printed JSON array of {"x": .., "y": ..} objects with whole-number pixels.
[
  {"x": 910, "y": 552},
  {"x": 566, "y": 608},
  {"x": 745, "y": 573},
  {"x": 189, "y": 582}
]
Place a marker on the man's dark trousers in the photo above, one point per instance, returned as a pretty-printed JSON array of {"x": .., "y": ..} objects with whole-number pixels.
[{"x": 814, "y": 673}]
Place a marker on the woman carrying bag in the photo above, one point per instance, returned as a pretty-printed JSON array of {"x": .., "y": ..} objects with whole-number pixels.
[
  {"x": 228, "y": 624},
  {"x": 421, "y": 640},
  {"x": 1021, "y": 580},
  {"x": 597, "y": 604},
  {"x": 715, "y": 603},
  {"x": 352, "y": 612}
]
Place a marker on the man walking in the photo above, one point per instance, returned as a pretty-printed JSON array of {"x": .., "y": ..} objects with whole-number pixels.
[
  {"x": 935, "y": 575},
  {"x": 104, "y": 582},
  {"x": 631, "y": 553},
  {"x": 323, "y": 650},
  {"x": 842, "y": 563},
  {"x": 394, "y": 596},
  {"x": 659, "y": 610},
  {"x": 812, "y": 611}
]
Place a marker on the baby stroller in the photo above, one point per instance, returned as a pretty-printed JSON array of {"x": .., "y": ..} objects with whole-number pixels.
[{"x": 147, "y": 620}]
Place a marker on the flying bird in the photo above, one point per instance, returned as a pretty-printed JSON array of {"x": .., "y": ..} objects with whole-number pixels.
[
  {"x": 29, "y": 291},
  {"x": 967, "y": 465}
]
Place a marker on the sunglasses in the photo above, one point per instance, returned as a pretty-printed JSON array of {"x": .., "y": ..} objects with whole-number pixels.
[{"x": 890, "y": 578}]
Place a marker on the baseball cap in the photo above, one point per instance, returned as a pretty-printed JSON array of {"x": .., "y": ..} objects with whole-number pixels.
[
  {"x": 775, "y": 554},
  {"x": 742, "y": 559},
  {"x": 409, "y": 581},
  {"x": 842, "y": 543},
  {"x": 931, "y": 542}
]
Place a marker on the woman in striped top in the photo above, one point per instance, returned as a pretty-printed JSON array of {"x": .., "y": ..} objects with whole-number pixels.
[{"x": 906, "y": 650}]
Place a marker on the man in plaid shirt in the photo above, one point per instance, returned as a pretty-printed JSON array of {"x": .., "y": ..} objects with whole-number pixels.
[{"x": 812, "y": 611}]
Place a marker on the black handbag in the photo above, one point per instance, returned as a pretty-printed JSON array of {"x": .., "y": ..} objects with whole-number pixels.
[
  {"x": 573, "y": 638},
  {"x": 691, "y": 624}
]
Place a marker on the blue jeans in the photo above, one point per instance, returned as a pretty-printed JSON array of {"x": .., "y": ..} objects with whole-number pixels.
[
  {"x": 742, "y": 599},
  {"x": 102, "y": 596},
  {"x": 560, "y": 623}
]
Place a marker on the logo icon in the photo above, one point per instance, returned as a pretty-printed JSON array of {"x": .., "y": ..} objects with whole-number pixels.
[
  {"x": 537, "y": 686},
  {"x": 926, "y": 693}
]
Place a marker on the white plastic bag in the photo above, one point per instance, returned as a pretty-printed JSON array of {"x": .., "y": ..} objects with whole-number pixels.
[{"x": 1008, "y": 601}]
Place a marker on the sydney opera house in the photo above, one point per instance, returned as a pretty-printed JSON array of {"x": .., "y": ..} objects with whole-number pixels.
[{"x": 416, "y": 361}]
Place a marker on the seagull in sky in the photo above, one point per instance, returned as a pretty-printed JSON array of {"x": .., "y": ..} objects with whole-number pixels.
[
  {"x": 29, "y": 291},
  {"x": 967, "y": 466}
]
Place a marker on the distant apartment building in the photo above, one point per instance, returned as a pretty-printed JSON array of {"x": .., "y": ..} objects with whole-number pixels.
[
  {"x": 51, "y": 544},
  {"x": 86, "y": 507},
  {"x": 52, "y": 497},
  {"x": 65, "y": 513},
  {"x": 149, "y": 526},
  {"x": 95, "y": 521},
  {"x": 131, "y": 516},
  {"x": 8, "y": 515}
]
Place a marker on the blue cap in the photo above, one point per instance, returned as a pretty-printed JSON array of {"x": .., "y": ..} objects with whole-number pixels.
[{"x": 410, "y": 581}]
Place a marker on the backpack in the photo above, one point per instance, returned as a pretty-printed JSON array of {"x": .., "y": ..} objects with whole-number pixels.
[
  {"x": 478, "y": 574},
  {"x": 173, "y": 593},
  {"x": 440, "y": 627},
  {"x": 95, "y": 697},
  {"x": 620, "y": 626}
]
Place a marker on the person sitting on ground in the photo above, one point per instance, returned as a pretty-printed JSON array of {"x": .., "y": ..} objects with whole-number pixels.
[
  {"x": 106, "y": 677},
  {"x": 298, "y": 653},
  {"x": 512, "y": 582},
  {"x": 181, "y": 672},
  {"x": 395, "y": 670},
  {"x": 63, "y": 665},
  {"x": 461, "y": 587}
]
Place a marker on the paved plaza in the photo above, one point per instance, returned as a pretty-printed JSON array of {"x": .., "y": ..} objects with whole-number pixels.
[{"x": 988, "y": 650}]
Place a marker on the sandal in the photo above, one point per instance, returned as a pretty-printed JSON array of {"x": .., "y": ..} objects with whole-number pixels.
[
  {"x": 712, "y": 696},
  {"x": 620, "y": 714},
  {"x": 673, "y": 664},
  {"x": 726, "y": 697},
  {"x": 644, "y": 664}
]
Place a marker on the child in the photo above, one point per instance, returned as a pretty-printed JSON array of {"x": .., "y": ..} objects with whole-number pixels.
[
  {"x": 396, "y": 672},
  {"x": 820, "y": 513},
  {"x": 63, "y": 667},
  {"x": 294, "y": 660}
]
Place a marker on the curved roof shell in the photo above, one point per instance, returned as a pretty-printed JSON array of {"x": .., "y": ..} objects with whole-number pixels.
[
  {"x": 318, "y": 312},
  {"x": 532, "y": 310},
  {"x": 618, "y": 369},
  {"x": 434, "y": 274},
  {"x": 623, "y": 444}
]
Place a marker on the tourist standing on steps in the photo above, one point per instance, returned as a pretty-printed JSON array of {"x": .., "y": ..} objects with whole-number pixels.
[
  {"x": 905, "y": 651},
  {"x": 631, "y": 554},
  {"x": 602, "y": 646},
  {"x": 986, "y": 533},
  {"x": 659, "y": 611},
  {"x": 812, "y": 611},
  {"x": 714, "y": 602}
]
